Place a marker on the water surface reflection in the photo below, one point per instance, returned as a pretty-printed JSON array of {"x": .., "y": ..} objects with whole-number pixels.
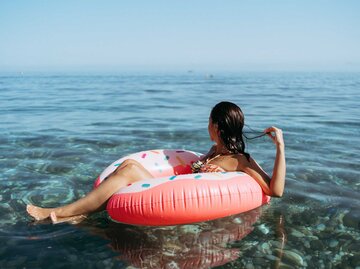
[{"x": 200, "y": 245}]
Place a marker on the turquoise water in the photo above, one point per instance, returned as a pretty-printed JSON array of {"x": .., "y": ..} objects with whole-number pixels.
[{"x": 58, "y": 132}]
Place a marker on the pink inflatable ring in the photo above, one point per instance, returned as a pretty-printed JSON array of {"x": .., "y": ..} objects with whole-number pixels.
[{"x": 176, "y": 196}]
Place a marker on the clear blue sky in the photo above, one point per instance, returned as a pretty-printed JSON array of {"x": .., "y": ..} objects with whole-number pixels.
[{"x": 219, "y": 35}]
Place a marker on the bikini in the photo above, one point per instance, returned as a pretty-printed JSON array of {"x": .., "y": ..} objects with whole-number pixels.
[{"x": 206, "y": 167}]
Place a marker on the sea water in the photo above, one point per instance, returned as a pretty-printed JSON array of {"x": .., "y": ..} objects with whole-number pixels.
[{"x": 59, "y": 131}]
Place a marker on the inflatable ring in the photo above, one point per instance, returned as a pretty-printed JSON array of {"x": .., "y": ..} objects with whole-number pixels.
[{"x": 176, "y": 196}]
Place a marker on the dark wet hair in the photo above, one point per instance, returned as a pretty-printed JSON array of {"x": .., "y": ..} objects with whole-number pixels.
[{"x": 230, "y": 122}]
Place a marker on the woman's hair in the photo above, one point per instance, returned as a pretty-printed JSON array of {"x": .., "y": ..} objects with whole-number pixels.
[{"x": 230, "y": 123}]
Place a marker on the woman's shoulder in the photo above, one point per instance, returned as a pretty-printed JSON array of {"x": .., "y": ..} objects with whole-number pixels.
[
  {"x": 242, "y": 161},
  {"x": 241, "y": 157},
  {"x": 233, "y": 162}
]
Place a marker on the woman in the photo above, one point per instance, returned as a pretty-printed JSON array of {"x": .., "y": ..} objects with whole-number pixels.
[{"x": 226, "y": 124}]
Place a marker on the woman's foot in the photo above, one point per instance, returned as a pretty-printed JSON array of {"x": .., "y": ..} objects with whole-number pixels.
[
  {"x": 72, "y": 220},
  {"x": 38, "y": 213}
]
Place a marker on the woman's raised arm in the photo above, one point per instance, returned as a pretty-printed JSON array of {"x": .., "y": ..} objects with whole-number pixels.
[
  {"x": 277, "y": 182},
  {"x": 273, "y": 186}
]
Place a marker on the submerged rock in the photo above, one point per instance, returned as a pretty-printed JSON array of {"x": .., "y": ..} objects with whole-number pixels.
[
  {"x": 293, "y": 258},
  {"x": 333, "y": 243},
  {"x": 285, "y": 266},
  {"x": 296, "y": 233},
  {"x": 290, "y": 257},
  {"x": 352, "y": 219},
  {"x": 321, "y": 227},
  {"x": 263, "y": 229},
  {"x": 317, "y": 245},
  {"x": 249, "y": 266}
]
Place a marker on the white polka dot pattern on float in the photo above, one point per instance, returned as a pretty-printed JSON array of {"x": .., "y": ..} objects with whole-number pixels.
[
  {"x": 159, "y": 163},
  {"x": 153, "y": 182}
]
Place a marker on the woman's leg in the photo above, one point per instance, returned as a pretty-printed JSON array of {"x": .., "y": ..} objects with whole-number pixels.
[{"x": 129, "y": 172}]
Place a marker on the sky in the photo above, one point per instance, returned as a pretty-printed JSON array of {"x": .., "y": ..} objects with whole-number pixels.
[{"x": 231, "y": 35}]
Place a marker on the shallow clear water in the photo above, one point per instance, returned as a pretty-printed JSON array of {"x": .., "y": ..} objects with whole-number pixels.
[{"x": 58, "y": 132}]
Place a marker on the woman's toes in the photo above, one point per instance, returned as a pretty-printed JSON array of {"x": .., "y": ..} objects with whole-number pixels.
[
  {"x": 53, "y": 217},
  {"x": 78, "y": 219},
  {"x": 38, "y": 213},
  {"x": 33, "y": 211},
  {"x": 28, "y": 209}
]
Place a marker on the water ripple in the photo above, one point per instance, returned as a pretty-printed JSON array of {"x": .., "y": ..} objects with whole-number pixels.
[{"x": 65, "y": 130}]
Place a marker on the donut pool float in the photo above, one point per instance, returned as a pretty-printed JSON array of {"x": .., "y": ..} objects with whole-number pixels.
[{"x": 176, "y": 196}]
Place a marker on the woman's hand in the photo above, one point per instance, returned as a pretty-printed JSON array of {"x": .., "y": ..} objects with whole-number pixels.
[{"x": 276, "y": 135}]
